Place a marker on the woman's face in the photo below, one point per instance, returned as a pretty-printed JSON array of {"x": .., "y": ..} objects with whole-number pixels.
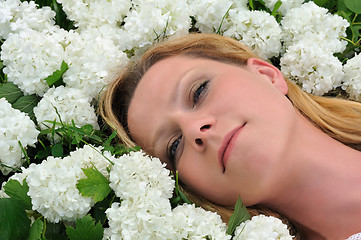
[{"x": 224, "y": 127}]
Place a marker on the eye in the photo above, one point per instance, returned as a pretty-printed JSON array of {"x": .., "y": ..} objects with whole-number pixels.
[
  {"x": 199, "y": 91},
  {"x": 172, "y": 148}
]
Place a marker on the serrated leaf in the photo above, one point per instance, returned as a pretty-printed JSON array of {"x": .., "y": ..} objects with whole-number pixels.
[
  {"x": 55, "y": 78},
  {"x": 239, "y": 215},
  {"x": 26, "y": 104},
  {"x": 86, "y": 229},
  {"x": 10, "y": 92},
  {"x": 353, "y": 5},
  {"x": 18, "y": 192},
  {"x": 57, "y": 150},
  {"x": 36, "y": 230},
  {"x": 95, "y": 185},
  {"x": 14, "y": 223}
]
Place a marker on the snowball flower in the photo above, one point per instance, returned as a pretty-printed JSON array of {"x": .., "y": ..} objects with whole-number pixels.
[
  {"x": 15, "y": 127},
  {"x": 209, "y": 14},
  {"x": 135, "y": 175},
  {"x": 29, "y": 57},
  {"x": 192, "y": 222},
  {"x": 352, "y": 78},
  {"x": 95, "y": 12},
  {"x": 310, "y": 20},
  {"x": 285, "y": 6},
  {"x": 16, "y": 16},
  {"x": 313, "y": 67},
  {"x": 153, "y": 19},
  {"x": 91, "y": 58},
  {"x": 70, "y": 103},
  {"x": 258, "y": 30},
  {"x": 143, "y": 218},
  {"x": 262, "y": 227},
  {"x": 52, "y": 184}
]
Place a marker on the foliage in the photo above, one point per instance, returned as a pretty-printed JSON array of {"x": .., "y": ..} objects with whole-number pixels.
[
  {"x": 239, "y": 215},
  {"x": 86, "y": 229}
]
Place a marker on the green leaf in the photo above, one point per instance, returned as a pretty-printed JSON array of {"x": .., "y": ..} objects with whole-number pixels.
[
  {"x": 36, "y": 230},
  {"x": 26, "y": 104},
  {"x": 320, "y": 3},
  {"x": 95, "y": 185},
  {"x": 10, "y": 91},
  {"x": 18, "y": 192},
  {"x": 276, "y": 7},
  {"x": 57, "y": 150},
  {"x": 353, "y": 5},
  {"x": 86, "y": 229},
  {"x": 55, "y": 78},
  {"x": 239, "y": 215},
  {"x": 14, "y": 223}
]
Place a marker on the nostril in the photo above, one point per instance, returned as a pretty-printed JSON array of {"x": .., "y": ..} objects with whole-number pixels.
[
  {"x": 206, "y": 127},
  {"x": 199, "y": 141}
]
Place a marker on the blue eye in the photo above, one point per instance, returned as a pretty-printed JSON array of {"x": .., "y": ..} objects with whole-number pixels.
[
  {"x": 172, "y": 150},
  {"x": 200, "y": 90}
]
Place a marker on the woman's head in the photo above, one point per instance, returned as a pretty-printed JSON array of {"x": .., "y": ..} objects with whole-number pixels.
[
  {"x": 116, "y": 99},
  {"x": 246, "y": 107}
]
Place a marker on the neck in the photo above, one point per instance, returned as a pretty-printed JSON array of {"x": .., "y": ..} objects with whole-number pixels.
[{"x": 324, "y": 193}]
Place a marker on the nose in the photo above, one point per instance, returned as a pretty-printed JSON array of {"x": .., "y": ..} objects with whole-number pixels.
[{"x": 196, "y": 131}]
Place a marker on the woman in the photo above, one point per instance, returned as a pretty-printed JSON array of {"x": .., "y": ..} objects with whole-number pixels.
[{"x": 232, "y": 125}]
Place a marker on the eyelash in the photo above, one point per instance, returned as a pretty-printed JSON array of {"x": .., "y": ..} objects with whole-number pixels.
[{"x": 196, "y": 95}]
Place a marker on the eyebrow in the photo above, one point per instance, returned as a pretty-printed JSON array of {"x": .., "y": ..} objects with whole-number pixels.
[{"x": 174, "y": 99}]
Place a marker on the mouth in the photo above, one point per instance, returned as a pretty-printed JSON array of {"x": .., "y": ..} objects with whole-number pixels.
[{"x": 227, "y": 145}]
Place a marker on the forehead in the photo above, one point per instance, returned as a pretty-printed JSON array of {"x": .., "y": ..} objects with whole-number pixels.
[{"x": 153, "y": 95}]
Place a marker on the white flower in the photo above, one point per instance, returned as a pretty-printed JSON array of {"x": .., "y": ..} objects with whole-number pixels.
[
  {"x": 30, "y": 56},
  {"x": 192, "y": 222},
  {"x": 352, "y": 78},
  {"x": 285, "y": 6},
  {"x": 310, "y": 20},
  {"x": 15, "y": 127},
  {"x": 135, "y": 175},
  {"x": 95, "y": 12},
  {"x": 209, "y": 14},
  {"x": 91, "y": 58},
  {"x": 144, "y": 218},
  {"x": 257, "y": 29},
  {"x": 16, "y": 16},
  {"x": 262, "y": 228},
  {"x": 150, "y": 20},
  {"x": 70, "y": 103},
  {"x": 314, "y": 67},
  {"x": 52, "y": 184}
]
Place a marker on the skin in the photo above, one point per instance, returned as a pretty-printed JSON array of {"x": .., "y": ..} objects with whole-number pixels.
[{"x": 276, "y": 157}]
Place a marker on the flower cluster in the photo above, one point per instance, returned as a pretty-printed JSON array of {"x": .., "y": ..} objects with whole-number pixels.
[
  {"x": 144, "y": 186},
  {"x": 152, "y": 19},
  {"x": 31, "y": 56},
  {"x": 64, "y": 104},
  {"x": 352, "y": 78},
  {"x": 262, "y": 227},
  {"x": 258, "y": 30},
  {"x": 311, "y": 36},
  {"x": 15, "y": 128},
  {"x": 54, "y": 193},
  {"x": 16, "y": 16}
]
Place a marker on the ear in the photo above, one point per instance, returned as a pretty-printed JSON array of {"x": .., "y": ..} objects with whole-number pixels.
[{"x": 266, "y": 69}]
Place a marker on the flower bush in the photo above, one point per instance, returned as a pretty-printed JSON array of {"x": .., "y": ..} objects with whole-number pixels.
[{"x": 63, "y": 174}]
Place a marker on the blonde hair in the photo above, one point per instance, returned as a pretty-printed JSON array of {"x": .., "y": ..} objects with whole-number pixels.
[{"x": 340, "y": 119}]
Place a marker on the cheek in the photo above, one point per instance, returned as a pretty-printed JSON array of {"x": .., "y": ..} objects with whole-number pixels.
[{"x": 198, "y": 175}]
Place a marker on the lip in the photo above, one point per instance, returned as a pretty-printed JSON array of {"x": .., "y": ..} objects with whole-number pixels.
[{"x": 227, "y": 146}]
